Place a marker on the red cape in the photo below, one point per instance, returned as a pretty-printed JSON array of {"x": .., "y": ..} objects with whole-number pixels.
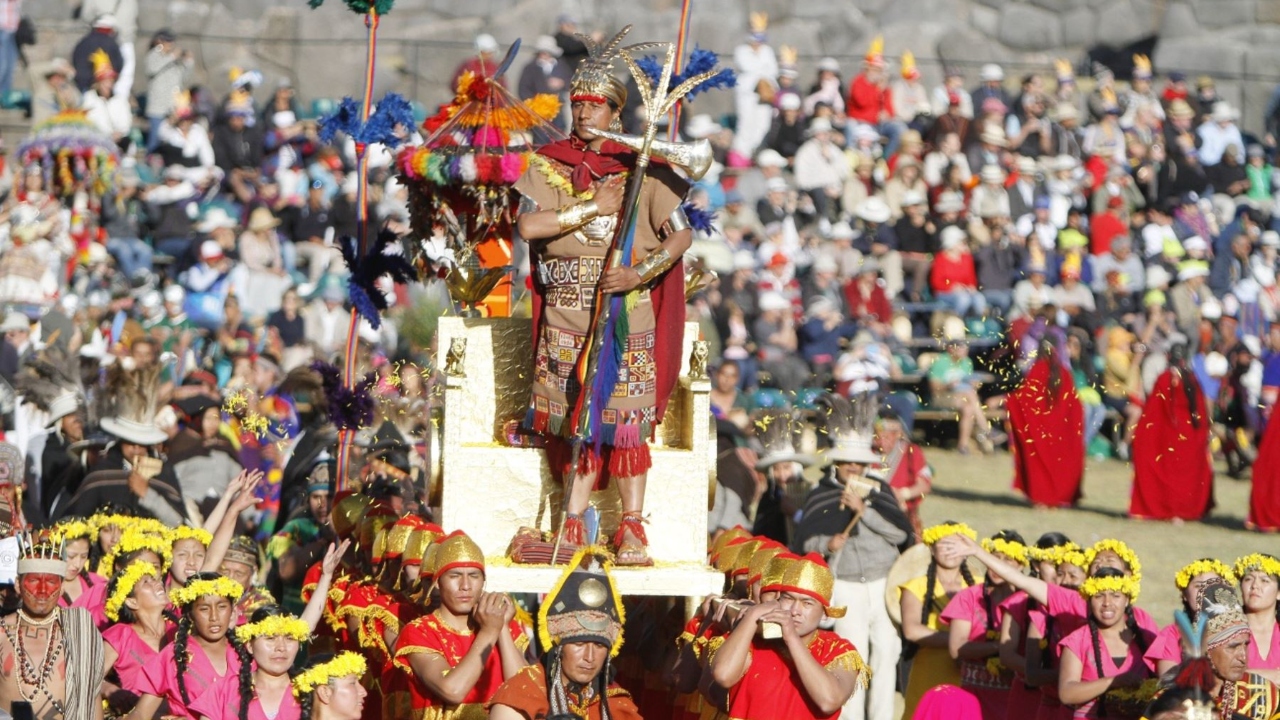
[
  {"x": 1046, "y": 437},
  {"x": 1264, "y": 499},
  {"x": 1172, "y": 475}
]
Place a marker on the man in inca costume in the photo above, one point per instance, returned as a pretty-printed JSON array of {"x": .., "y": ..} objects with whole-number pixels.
[{"x": 573, "y": 197}]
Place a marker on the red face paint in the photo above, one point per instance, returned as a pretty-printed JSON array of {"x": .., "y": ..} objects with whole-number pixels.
[{"x": 39, "y": 589}]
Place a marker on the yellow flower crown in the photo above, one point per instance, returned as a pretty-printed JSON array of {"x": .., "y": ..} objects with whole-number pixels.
[
  {"x": 1118, "y": 547},
  {"x": 186, "y": 532},
  {"x": 275, "y": 626},
  {"x": 1015, "y": 550},
  {"x": 933, "y": 534},
  {"x": 1075, "y": 557},
  {"x": 1257, "y": 561},
  {"x": 137, "y": 570},
  {"x": 1198, "y": 567},
  {"x": 1051, "y": 554},
  {"x": 73, "y": 530},
  {"x": 1126, "y": 585},
  {"x": 342, "y": 665},
  {"x": 225, "y": 587},
  {"x": 132, "y": 541}
]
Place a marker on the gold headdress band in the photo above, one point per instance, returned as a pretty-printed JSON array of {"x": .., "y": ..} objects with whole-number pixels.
[
  {"x": 808, "y": 575},
  {"x": 594, "y": 81}
]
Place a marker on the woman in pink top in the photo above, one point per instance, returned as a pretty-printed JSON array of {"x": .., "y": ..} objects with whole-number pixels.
[
  {"x": 81, "y": 588},
  {"x": 1043, "y": 635},
  {"x": 135, "y": 602},
  {"x": 202, "y": 657},
  {"x": 1166, "y": 651},
  {"x": 974, "y": 618},
  {"x": 1259, "y": 579},
  {"x": 1024, "y": 698},
  {"x": 271, "y": 640},
  {"x": 1064, "y": 605},
  {"x": 1105, "y": 654}
]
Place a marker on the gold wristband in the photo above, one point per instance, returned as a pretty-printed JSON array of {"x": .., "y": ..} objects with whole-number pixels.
[
  {"x": 575, "y": 216},
  {"x": 654, "y": 265}
]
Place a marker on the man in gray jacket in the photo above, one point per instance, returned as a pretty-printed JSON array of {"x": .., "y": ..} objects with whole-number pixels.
[{"x": 854, "y": 521}]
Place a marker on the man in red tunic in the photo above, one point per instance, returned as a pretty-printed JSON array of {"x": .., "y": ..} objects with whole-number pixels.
[
  {"x": 809, "y": 673},
  {"x": 460, "y": 653},
  {"x": 580, "y": 624},
  {"x": 573, "y": 201}
]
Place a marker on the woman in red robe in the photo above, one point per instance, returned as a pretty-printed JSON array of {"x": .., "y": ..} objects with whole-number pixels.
[
  {"x": 1172, "y": 475},
  {"x": 1264, "y": 499},
  {"x": 1046, "y": 433}
]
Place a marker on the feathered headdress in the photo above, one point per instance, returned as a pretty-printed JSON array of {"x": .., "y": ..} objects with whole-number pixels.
[
  {"x": 1141, "y": 67},
  {"x": 787, "y": 56},
  {"x": 1063, "y": 70},
  {"x": 875, "y": 53},
  {"x": 134, "y": 397},
  {"x": 849, "y": 425},
  {"x": 595, "y": 80},
  {"x": 102, "y": 67},
  {"x": 909, "y": 69},
  {"x": 51, "y": 382},
  {"x": 759, "y": 24},
  {"x": 779, "y": 434}
]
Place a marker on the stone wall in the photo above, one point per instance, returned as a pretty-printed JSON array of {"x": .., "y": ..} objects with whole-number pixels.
[{"x": 1237, "y": 41}]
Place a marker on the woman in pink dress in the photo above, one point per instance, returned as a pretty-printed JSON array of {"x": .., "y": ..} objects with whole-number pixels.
[
  {"x": 974, "y": 617},
  {"x": 1024, "y": 698},
  {"x": 203, "y": 655},
  {"x": 1044, "y": 633},
  {"x": 135, "y": 602},
  {"x": 1106, "y": 653},
  {"x": 1259, "y": 576},
  {"x": 80, "y": 587},
  {"x": 270, "y": 639},
  {"x": 1166, "y": 651}
]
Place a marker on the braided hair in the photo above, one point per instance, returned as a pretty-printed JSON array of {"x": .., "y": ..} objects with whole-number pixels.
[
  {"x": 1130, "y": 621},
  {"x": 1049, "y": 540},
  {"x": 1190, "y": 386},
  {"x": 181, "y": 654},
  {"x": 557, "y": 695},
  {"x": 246, "y": 659},
  {"x": 929, "y": 602},
  {"x": 988, "y": 602},
  {"x": 307, "y": 700}
]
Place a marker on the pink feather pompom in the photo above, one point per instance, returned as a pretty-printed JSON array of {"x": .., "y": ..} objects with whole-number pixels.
[{"x": 513, "y": 165}]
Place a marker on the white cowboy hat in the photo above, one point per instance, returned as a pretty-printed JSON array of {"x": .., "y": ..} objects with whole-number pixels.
[
  {"x": 994, "y": 136},
  {"x": 991, "y": 72},
  {"x": 951, "y": 237},
  {"x": 62, "y": 406},
  {"x": 133, "y": 431},
  {"x": 15, "y": 321},
  {"x": 950, "y": 202},
  {"x": 819, "y": 125},
  {"x": 1223, "y": 112},
  {"x": 991, "y": 174},
  {"x": 701, "y": 126},
  {"x": 547, "y": 44},
  {"x": 852, "y": 448},
  {"x": 874, "y": 209},
  {"x": 213, "y": 219}
]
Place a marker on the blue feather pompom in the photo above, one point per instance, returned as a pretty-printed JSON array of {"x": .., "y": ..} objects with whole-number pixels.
[
  {"x": 392, "y": 112},
  {"x": 348, "y": 408},
  {"x": 367, "y": 299},
  {"x": 346, "y": 119},
  {"x": 700, "y": 61},
  {"x": 700, "y": 220}
]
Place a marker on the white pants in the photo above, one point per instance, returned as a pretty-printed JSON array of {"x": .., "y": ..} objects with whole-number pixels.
[
  {"x": 867, "y": 625},
  {"x": 754, "y": 119}
]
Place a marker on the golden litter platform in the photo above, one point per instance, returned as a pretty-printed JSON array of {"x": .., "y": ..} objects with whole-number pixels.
[{"x": 490, "y": 489}]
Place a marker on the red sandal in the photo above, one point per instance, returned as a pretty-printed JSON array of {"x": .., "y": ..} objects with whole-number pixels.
[{"x": 633, "y": 523}]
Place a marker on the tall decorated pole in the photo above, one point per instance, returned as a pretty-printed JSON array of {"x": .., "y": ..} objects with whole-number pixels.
[
  {"x": 350, "y": 406},
  {"x": 686, "y": 6}
]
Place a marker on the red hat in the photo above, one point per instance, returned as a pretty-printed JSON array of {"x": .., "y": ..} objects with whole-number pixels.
[
  {"x": 1115, "y": 201},
  {"x": 778, "y": 260}
]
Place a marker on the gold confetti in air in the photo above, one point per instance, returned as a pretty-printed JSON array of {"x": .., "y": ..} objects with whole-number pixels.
[
  {"x": 235, "y": 402},
  {"x": 256, "y": 424}
]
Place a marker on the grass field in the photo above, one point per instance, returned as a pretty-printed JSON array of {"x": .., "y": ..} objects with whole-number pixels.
[{"x": 978, "y": 490}]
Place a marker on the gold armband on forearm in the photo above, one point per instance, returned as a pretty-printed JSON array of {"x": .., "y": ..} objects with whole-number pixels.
[
  {"x": 575, "y": 216},
  {"x": 654, "y": 265}
]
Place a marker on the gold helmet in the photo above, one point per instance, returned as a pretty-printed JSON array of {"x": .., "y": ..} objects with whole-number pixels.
[
  {"x": 419, "y": 548},
  {"x": 595, "y": 81},
  {"x": 456, "y": 550},
  {"x": 347, "y": 513},
  {"x": 373, "y": 526}
]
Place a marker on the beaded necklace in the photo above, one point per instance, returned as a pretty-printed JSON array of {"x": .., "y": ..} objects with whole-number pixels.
[{"x": 28, "y": 674}]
